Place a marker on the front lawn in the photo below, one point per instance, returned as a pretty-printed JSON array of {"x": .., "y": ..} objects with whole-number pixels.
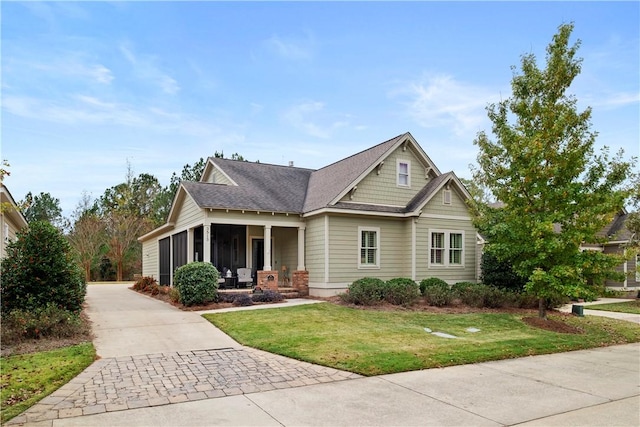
[
  {"x": 371, "y": 342},
  {"x": 632, "y": 307},
  {"x": 27, "y": 378}
]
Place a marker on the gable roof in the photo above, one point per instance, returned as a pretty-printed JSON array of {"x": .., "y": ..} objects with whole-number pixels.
[
  {"x": 260, "y": 187},
  {"x": 617, "y": 231},
  {"x": 286, "y": 189},
  {"x": 329, "y": 184}
]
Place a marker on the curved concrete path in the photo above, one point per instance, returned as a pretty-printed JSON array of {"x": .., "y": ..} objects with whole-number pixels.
[
  {"x": 165, "y": 367},
  {"x": 629, "y": 317}
]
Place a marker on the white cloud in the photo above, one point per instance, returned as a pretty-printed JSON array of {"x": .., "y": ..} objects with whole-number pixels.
[
  {"x": 305, "y": 117},
  {"x": 612, "y": 101},
  {"x": 294, "y": 49},
  {"x": 441, "y": 101},
  {"x": 145, "y": 68}
]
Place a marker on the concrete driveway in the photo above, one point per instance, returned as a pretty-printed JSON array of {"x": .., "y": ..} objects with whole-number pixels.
[
  {"x": 164, "y": 367},
  {"x": 126, "y": 323}
]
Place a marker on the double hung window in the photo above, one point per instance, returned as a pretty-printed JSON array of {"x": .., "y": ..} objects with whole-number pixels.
[
  {"x": 446, "y": 248},
  {"x": 404, "y": 173},
  {"x": 369, "y": 247}
]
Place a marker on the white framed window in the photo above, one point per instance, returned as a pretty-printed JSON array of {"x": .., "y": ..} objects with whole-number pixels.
[
  {"x": 369, "y": 247},
  {"x": 446, "y": 248},
  {"x": 404, "y": 173},
  {"x": 437, "y": 248},
  {"x": 456, "y": 247}
]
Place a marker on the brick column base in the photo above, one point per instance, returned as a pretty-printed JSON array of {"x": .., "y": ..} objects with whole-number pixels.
[
  {"x": 300, "y": 282},
  {"x": 268, "y": 279}
]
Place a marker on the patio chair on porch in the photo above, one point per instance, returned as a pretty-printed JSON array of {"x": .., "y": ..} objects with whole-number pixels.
[{"x": 244, "y": 277}]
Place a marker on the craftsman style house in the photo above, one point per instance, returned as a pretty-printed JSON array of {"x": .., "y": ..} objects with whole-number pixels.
[{"x": 384, "y": 212}]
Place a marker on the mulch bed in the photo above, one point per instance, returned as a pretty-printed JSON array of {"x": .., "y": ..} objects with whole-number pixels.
[
  {"x": 530, "y": 316},
  {"x": 45, "y": 344}
]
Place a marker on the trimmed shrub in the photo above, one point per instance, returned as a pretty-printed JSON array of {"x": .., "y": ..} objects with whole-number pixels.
[
  {"x": 432, "y": 281},
  {"x": 243, "y": 300},
  {"x": 436, "y": 291},
  {"x": 39, "y": 270},
  {"x": 500, "y": 273},
  {"x": 42, "y": 322},
  {"x": 197, "y": 283},
  {"x": 401, "y": 291},
  {"x": 480, "y": 295},
  {"x": 267, "y": 296},
  {"x": 365, "y": 291}
]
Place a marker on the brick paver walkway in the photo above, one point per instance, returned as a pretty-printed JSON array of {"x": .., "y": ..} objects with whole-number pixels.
[{"x": 115, "y": 384}]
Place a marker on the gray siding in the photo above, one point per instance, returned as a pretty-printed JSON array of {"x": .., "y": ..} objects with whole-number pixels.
[
  {"x": 344, "y": 249},
  {"x": 436, "y": 205},
  {"x": 383, "y": 188},
  {"x": 314, "y": 248},
  {"x": 150, "y": 259}
]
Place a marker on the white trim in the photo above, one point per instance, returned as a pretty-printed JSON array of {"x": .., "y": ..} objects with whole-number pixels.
[
  {"x": 440, "y": 216},
  {"x": 403, "y": 162},
  {"x": 210, "y": 161},
  {"x": 446, "y": 261},
  {"x": 625, "y": 268},
  {"x": 326, "y": 248},
  {"x": 373, "y": 204},
  {"x": 362, "y": 266},
  {"x": 413, "y": 248},
  {"x": 358, "y": 212}
]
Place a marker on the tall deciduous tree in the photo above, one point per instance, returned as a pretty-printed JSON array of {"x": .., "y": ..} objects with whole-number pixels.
[
  {"x": 557, "y": 192},
  {"x": 164, "y": 199},
  {"x": 87, "y": 235}
]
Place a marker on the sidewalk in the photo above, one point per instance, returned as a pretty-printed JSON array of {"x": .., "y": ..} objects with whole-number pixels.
[
  {"x": 629, "y": 317},
  {"x": 203, "y": 378}
]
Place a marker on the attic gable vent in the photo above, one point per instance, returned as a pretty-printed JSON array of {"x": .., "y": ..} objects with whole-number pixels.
[{"x": 446, "y": 197}]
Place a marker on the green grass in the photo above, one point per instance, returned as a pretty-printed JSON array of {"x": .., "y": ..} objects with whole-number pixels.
[
  {"x": 27, "y": 378},
  {"x": 372, "y": 342},
  {"x": 632, "y": 307}
]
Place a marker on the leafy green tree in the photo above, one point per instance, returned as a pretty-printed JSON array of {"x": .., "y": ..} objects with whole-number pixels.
[
  {"x": 557, "y": 193},
  {"x": 39, "y": 270},
  {"x": 164, "y": 199},
  {"x": 43, "y": 207}
]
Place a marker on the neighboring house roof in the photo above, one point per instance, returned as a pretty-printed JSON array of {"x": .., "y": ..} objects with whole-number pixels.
[
  {"x": 13, "y": 213},
  {"x": 617, "y": 230}
]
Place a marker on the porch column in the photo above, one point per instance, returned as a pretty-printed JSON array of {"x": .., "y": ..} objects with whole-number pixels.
[
  {"x": 301, "y": 249},
  {"x": 267, "y": 248},
  {"x": 413, "y": 248},
  {"x": 206, "y": 245},
  {"x": 190, "y": 248}
]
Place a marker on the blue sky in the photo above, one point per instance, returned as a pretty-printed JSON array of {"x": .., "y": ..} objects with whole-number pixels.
[{"x": 88, "y": 87}]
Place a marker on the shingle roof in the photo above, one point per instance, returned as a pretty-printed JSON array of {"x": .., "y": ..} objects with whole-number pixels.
[
  {"x": 618, "y": 230},
  {"x": 275, "y": 188},
  {"x": 260, "y": 186},
  {"x": 327, "y": 183},
  {"x": 427, "y": 191}
]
